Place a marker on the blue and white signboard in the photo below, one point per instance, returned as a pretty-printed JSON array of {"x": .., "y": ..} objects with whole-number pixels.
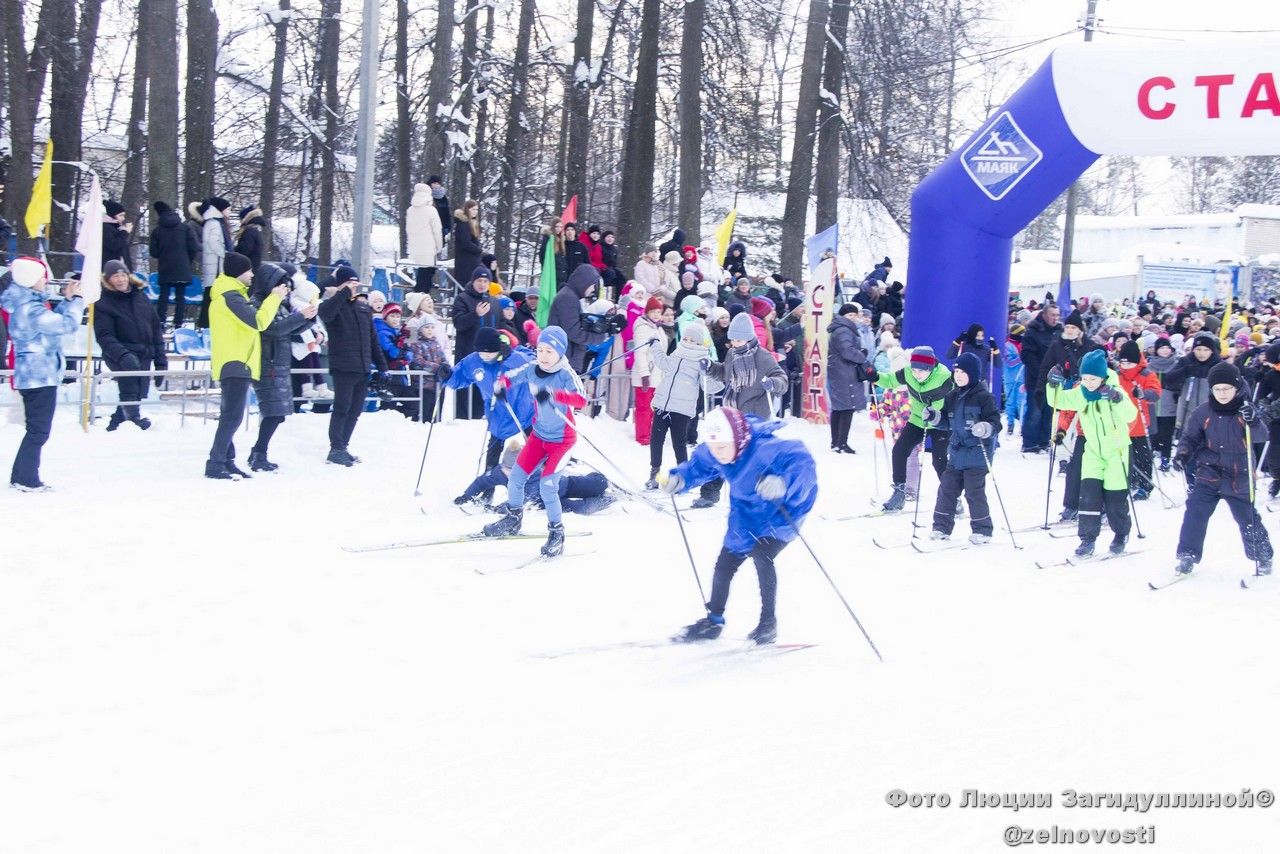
[{"x": 1000, "y": 157}]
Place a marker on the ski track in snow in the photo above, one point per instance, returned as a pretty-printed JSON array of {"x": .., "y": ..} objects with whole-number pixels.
[{"x": 189, "y": 665}]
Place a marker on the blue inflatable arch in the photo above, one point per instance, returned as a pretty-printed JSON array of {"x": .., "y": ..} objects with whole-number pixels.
[{"x": 1085, "y": 101}]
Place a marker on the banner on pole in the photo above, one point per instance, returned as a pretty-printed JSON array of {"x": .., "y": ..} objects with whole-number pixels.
[{"x": 821, "y": 252}]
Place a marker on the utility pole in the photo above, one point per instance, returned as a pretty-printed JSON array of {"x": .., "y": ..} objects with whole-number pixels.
[
  {"x": 1069, "y": 223},
  {"x": 366, "y": 144}
]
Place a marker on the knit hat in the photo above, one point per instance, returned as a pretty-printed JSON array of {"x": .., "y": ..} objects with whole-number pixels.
[
  {"x": 487, "y": 340},
  {"x": 481, "y": 273},
  {"x": 695, "y": 333},
  {"x": 848, "y": 308},
  {"x": 1256, "y": 339},
  {"x": 761, "y": 307},
  {"x": 1130, "y": 352},
  {"x": 923, "y": 358},
  {"x": 1074, "y": 319},
  {"x": 234, "y": 264},
  {"x": 217, "y": 203},
  {"x": 113, "y": 208},
  {"x": 1273, "y": 353},
  {"x": 718, "y": 314},
  {"x": 887, "y": 319},
  {"x": 653, "y": 304},
  {"x": 506, "y": 302},
  {"x": 28, "y": 272},
  {"x": 343, "y": 274},
  {"x": 600, "y": 306},
  {"x": 413, "y": 301},
  {"x": 112, "y": 267},
  {"x": 554, "y": 337},
  {"x": 741, "y": 328},
  {"x": 647, "y": 248},
  {"x": 1017, "y": 331},
  {"x": 691, "y": 304},
  {"x": 495, "y": 289},
  {"x": 968, "y": 362},
  {"x": 672, "y": 257},
  {"x": 390, "y": 309},
  {"x": 1225, "y": 373},
  {"x": 1094, "y": 364},
  {"x": 1203, "y": 339},
  {"x": 532, "y": 332},
  {"x": 727, "y": 424},
  {"x": 1162, "y": 343},
  {"x": 161, "y": 208},
  {"x": 509, "y": 338}
]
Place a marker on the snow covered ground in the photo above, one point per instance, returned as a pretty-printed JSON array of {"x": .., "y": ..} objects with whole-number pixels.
[{"x": 196, "y": 666}]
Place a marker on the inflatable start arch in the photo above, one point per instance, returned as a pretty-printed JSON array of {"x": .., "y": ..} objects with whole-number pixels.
[{"x": 1086, "y": 100}]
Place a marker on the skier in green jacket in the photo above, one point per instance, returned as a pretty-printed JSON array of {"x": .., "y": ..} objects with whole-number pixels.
[{"x": 928, "y": 382}]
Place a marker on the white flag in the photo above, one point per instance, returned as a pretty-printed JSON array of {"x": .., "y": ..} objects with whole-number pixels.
[{"x": 89, "y": 244}]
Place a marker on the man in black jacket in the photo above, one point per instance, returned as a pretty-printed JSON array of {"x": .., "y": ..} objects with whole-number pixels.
[
  {"x": 473, "y": 308},
  {"x": 353, "y": 349},
  {"x": 127, "y": 329},
  {"x": 175, "y": 247},
  {"x": 1036, "y": 340},
  {"x": 1066, "y": 354},
  {"x": 566, "y": 312}
]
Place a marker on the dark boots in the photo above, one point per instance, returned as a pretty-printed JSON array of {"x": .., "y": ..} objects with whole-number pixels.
[
  {"x": 509, "y": 524},
  {"x": 896, "y": 501},
  {"x": 555, "y": 540},
  {"x": 258, "y": 462},
  {"x": 708, "y": 628},
  {"x": 766, "y": 632}
]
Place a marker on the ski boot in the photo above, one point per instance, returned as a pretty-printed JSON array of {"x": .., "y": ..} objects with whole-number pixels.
[
  {"x": 1117, "y": 544},
  {"x": 1085, "y": 549},
  {"x": 1069, "y": 515},
  {"x": 938, "y": 535},
  {"x": 1274, "y": 489},
  {"x": 258, "y": 462},
  {"x": 555, "y": 540},
  {"x": 979, "y": 539},
  {"x": 507, "y": 526},
  {"x": 702, "y": 503},
  {"x": 217, "y": 471},
  {"x": 1165, "y": 464},
  {"x": 766, "y": 632},
  {"x": 708, "y": 628},
  {"x": 844, "y": 449},
  {"x": 1009, "y": 432},
  {"x": 1264, "y": 567},
  {"x": 896, "y": 501},
  {"x": 1140, "y": 494},
  {"x": 652, "y": 482},
  {"x": 236, "y": 470},
  {"x": 1186, "y": 563},
  {"x": 339, "y": 457}
]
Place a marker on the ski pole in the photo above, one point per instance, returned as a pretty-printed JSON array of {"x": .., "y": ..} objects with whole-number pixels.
[
  {"x": 995, "y": 485},
  {"x": 417, "y": 487},
  {"x": 1151, "y": 452},
  {"x": 689, "y": 551},
  {"x": 830, "y": 581},
  {"x": 1248, "y": 444},
  {"x": 484, "y": 447},
  {"x": 1125, "y": 465},
  {"x": 919, "y": 483},
  {"x": 1053, "y": 453}
]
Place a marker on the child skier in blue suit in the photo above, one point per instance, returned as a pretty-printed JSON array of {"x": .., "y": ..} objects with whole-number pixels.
[
  {"x": 557, "y": 392},
  {"x": 772, "y": 487}
]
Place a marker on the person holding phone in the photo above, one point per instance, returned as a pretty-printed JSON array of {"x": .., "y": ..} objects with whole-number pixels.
[{"x": 353, "y": 350}]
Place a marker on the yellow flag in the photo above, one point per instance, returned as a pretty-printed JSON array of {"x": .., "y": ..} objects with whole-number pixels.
[
  {"x": 40, "y": 209},
  {"x": 724, "y": 233},
  {"x": 1226, "y": 324}
]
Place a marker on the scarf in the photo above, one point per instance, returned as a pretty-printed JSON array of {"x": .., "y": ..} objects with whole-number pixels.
[{"x": 742, "y": 367}]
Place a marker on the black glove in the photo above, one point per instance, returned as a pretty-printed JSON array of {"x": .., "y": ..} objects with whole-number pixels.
[
  {"x": 443, "y": 372},
  {"x": 1180, "y": 462},
  {"x": 1112, "y": 393},
  {"x": 161, "y": 365},
  {"x": 129, "y": 362},
  {"x": 542, "y": 396},
  {"x": 993, "y": 345},
  {"x": 704, "y": 364},
  {"x": 1249, "y": 411},
  {"x": 500, "y": 390},
  {"x": 1055, "y": 376},
  {"x": 932, "y": 417},
  {"x": 654, "y": 342},
  {"x": 1059, "y": 437},
  {"x": 871, "y": 373}
]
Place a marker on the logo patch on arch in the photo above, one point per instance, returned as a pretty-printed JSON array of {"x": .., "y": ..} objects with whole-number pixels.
[{"x": 1000, "y": 157}]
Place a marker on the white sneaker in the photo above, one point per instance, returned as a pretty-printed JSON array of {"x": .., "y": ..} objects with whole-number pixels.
[
  {"x": 22, "y": 487},
  {"x": 979, "y": 539},
  {"x": 937, "y": 535},
  {"x": 323, "y": 392},
  {"x": 308, "y": 391}
]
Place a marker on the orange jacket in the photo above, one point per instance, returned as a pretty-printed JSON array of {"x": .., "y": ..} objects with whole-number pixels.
[{"x": 1142, "y": 377}]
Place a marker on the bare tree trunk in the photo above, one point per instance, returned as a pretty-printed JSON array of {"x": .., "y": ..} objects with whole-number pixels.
[
  {"x": 72, "y": 58},
  {"x": 330, "y": 11},
  {"x": 459, "y": 167},
  {"x": 636, "y": 205},
  {"x": 690, "y": 215},
  {"x": 434, "y": 150},
  {"x": 133, "y": 194},
  {"x": 202, "y": 55},
  {"x": 404, "y": 125},
  {"x": 25, "y": 75},
  {"x": 162, "y": 102},
  {"x": 579, "y": 104},
  {"x": 801, "y": 181},
  {"x": 271, "y": 129},
  {"x": 517, "y": 125},
  {"x": 828, "y": 172},
  {"x": 478, "y": 160},
  {"x": 562, "y": 149}
]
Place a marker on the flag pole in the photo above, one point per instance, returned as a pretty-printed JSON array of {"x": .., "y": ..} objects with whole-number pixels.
[{"x": 86, "y": 397}]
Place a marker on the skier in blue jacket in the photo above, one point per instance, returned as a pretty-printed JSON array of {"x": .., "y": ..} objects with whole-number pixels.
[
  {"x": 493, "y": 357},
  {"x": 772, "y": 487}
]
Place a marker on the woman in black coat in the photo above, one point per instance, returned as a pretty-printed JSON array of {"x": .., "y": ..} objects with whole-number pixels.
[
  {"x": 466, "y": 241},
  {"x": 249, "y": 236},
  {"x": 115, "y": 236},
  {"x": 274, "y": 386},
  {"x": 129, "y": 335},
  {"x": 575, "y": 251}
]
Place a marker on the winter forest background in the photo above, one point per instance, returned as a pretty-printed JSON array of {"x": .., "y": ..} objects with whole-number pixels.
[{"x": 654, "y": 112}]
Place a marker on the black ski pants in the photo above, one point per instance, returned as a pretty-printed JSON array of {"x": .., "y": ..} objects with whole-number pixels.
[
  {"x": 1071, "y": 493},
  {"x": 973, "y": 483},
  {"x": 911, "y": 436},
  {"x": 841, "y": 422},
  {"x": 762, "y": 554},
  {"x": 1140, "y": 464},
  {"x": 349, "y": 390},
  {"x": 1093, "y": 498},
  {"x": 235, "y": 391},
  {"x": 663, "y": 423},
  {"x": 1195, "y": 522},
  {"x": 37, "y": 405}
]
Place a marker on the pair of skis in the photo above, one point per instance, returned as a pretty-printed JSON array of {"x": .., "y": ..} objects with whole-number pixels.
[
  {"x": 448, "y": 541},
  {"x": 742, "y": 647}
]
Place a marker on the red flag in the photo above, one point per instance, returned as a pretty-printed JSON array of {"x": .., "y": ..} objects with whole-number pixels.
[{"x": 570, "y": 211}]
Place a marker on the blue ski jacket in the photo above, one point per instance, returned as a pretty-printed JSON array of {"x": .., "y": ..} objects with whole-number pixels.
[
  {"x": 752, "y": 518},
  {"x": 472, "y": 369}
]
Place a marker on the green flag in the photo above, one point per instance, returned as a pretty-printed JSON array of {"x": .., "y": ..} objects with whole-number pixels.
[{"x": 547, "y": 287}]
